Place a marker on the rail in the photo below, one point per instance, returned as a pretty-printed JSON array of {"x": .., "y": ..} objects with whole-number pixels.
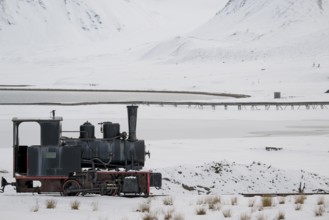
[{"x": 282, "y": 194}]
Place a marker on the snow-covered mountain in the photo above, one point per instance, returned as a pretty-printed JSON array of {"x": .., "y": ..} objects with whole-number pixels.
[
  {"x": 250, "y": 30},
  {"x": 43, "y": 21},
  {"x": 75, "y": 43},
  {"x": 84, "y": 21},
  {"x": 243, "y": 30}
]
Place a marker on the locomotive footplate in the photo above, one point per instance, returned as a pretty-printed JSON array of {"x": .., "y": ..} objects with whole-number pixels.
[
  {"x": 90, "y": 182},
  {"x": 39, "y": 184}
]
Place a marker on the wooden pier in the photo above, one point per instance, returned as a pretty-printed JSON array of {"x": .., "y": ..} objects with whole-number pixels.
[{"x": 214, "y": 105}]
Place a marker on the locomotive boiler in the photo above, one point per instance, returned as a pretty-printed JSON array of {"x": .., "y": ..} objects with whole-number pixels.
[{"x": 110, "y": 165}]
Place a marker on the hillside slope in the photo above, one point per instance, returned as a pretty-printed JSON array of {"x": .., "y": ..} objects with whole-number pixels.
[
  {"x": 252, "y": 30},
  {"x": 254, "y": 47},
  {"x": 42, "y": 22},
  {"x": 26, "y": 22}
]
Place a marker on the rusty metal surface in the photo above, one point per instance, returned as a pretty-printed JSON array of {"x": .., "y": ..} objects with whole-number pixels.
[{"x": 48, "y": 184}]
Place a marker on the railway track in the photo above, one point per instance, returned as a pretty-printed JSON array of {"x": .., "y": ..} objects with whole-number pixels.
[{"x": 281, "y": 194}]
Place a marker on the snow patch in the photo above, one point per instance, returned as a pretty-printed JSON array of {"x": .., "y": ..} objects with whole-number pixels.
[{"x": 230, "y": 178}]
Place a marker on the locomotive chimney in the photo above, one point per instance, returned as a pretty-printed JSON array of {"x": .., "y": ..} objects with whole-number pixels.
[{"x": 132, "y": 121}]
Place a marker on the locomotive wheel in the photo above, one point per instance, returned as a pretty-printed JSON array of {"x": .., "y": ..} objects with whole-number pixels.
[
  {"x": 114, "y": 192},
  {"x": 111, "y": 192},
  {"x": 71, "y": 187}
]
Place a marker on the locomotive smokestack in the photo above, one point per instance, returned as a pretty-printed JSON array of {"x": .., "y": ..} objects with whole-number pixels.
[{"x": 132, "y": 122}]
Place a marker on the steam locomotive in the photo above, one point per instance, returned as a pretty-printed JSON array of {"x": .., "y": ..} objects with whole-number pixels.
[{"x": 108, "y": 166}]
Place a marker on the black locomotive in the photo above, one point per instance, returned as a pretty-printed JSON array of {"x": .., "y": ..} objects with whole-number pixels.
[{"x": 109, "y": 166}]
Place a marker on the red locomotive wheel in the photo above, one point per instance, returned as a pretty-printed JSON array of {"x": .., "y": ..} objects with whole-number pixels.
[{"x": 71, "y": 188}]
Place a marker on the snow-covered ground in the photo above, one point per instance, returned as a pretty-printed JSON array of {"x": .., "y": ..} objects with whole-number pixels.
[
  {"x": 17, "y": 207},
  {"x": 198, "y": 151},
  {"x": 248, "y": 47}
]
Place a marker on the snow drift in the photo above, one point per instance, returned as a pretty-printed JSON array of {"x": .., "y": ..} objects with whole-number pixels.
[
  {"x": 250, "y": 30},
  {"x": 226, "y": 178}
]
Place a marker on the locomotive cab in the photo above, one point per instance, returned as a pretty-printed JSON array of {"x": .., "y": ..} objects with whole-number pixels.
[
  {"x": 34, "y": 165},
  {"x": 49, "y": 132}
]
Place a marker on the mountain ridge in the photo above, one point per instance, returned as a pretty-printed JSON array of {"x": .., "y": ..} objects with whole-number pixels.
[
  {"x": 251, "y": 30},
  {"x": 71, "y": 20}
]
